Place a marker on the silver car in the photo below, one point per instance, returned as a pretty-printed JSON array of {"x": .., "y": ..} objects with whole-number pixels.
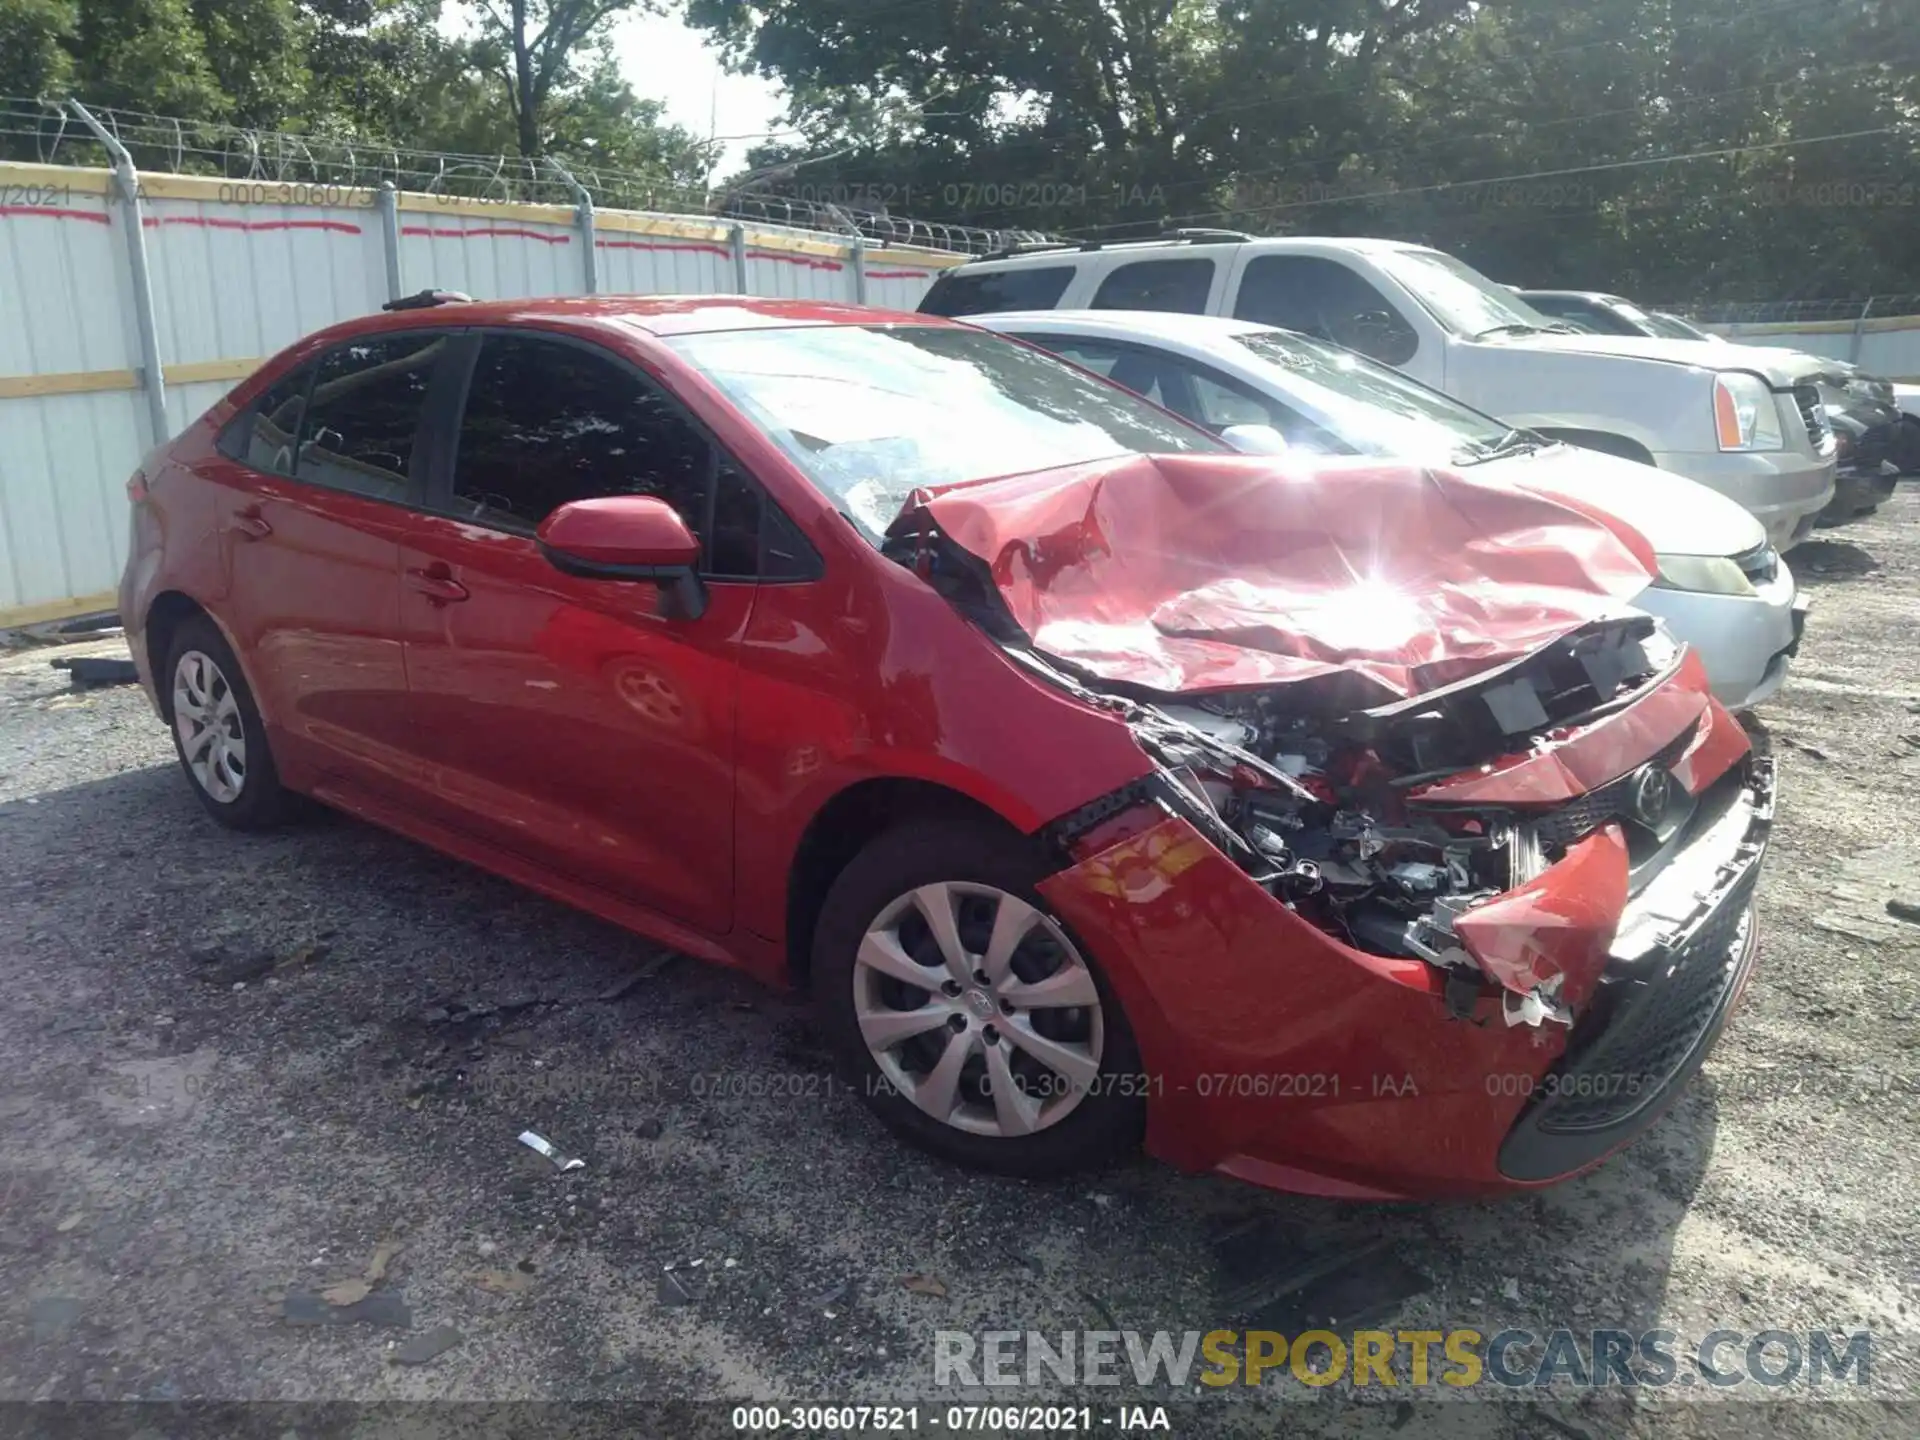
[{"x": 1722, "y": 587}]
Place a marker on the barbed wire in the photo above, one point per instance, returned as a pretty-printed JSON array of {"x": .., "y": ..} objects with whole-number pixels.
[
  {"x": 47, "y": 132},
  {"x": 1776, "y": 312}
]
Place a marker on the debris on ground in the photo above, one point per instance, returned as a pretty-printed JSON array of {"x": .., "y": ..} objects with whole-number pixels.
[
  {"x": 427, "y": 1347},
  {"x": 502, "y": 1282},
  {"x": 1904, "y": 910},
  {"x": 678, "y": 1288},
  {"x": 222, "y": 969},
  {"x": 924, "y": 1285},
  {"x": 88, "y": 672},
  {"x": 381, "y": 1307},
  {"x": 648, "y": 1129},
  {"x": 1811, "y": 751},
  {"x": 384, "y": 1254},
  {"x": 540, "y": 1145}
]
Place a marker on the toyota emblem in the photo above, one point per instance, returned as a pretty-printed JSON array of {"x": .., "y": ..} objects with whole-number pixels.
[{"x": 1652, "y": 793}]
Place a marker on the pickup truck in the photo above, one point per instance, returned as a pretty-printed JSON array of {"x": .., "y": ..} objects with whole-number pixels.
[{"x": 1744, "y": 420}]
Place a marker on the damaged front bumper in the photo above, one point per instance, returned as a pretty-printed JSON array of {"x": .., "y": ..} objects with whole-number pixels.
[{"x": 1278, "y": 1054}]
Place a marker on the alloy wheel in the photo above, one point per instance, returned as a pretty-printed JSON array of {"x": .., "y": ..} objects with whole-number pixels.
[
  {"x": 206, "y": 716},
  {"x": 978, "y": 1009}
]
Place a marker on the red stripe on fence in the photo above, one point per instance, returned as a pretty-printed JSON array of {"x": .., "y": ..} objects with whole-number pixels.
[
  {"x": 901, "y": 274},
  {"x": 212, "y": 222},
  {"x": 807, "y": 260},
  {"x": 437, "y": 233},
  {"x": 53, "y": 212},
  {"x": 689, "y": 247}
]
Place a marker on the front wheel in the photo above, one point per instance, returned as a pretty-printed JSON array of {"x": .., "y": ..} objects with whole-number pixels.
[{"x": 974, "y": 1024}]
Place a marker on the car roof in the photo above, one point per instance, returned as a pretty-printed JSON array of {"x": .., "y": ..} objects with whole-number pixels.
[
  {"x": 1069, "y": 253},
  {"x": 1162, "y": 324},
  {"x": 662, "y": 315}
]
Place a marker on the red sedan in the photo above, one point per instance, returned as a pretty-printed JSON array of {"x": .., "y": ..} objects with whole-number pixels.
[{"x": 1334, "y": 826}]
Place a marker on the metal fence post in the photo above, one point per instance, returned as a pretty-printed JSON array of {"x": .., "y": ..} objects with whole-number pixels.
[
  {"x": 387, "y": 200},
  {"x": 859, "y": 271},
  {"x": 1859, "y": 330},
  {"x": 583, "y": 215},
  {"x": 737, "y": 243},
  {"x": 153, "y": 379}
]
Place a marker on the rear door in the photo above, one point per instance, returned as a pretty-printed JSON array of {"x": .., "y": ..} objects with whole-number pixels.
[
  {"x": 316, "y": 481},
  {"x": 561, "y": 718}
]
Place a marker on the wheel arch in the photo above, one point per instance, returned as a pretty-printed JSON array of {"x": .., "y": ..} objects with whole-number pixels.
[
  {"x": 843, "y": 826},
  {"x": 169, "y": 610}
]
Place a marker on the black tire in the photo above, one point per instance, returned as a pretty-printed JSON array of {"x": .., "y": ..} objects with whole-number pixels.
[
  {"x": 1106, "y": 1123},
  {"x": 262, "y": 801}
]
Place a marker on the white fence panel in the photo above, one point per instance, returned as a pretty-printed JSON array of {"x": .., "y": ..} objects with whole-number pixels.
[
  {"x": 634, "y": 262},
  {"x": 233, "y": 281},
  {"x": 495, "y": 258},
  {"x": 239, "y": 270}
]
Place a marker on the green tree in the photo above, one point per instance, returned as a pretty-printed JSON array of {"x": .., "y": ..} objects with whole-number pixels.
[{"x": 535, "y": 48}]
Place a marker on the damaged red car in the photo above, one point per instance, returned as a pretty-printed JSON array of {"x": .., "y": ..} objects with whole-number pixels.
[{"x": 1335, "y": 826}]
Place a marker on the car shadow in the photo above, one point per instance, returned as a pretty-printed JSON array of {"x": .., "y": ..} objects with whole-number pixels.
[{"x": 1825, "y": 559}]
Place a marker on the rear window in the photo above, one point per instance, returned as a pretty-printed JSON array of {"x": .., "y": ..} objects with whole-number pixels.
[
  {"x": 980, "y": 292},
  {"x": 263, "y": 436},
  {"x": 364, "y": 411}
]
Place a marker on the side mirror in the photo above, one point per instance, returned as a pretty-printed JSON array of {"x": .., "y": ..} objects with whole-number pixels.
[
  {"x": 1255, "y": 439},
  {"x": 628, "y": 537}
]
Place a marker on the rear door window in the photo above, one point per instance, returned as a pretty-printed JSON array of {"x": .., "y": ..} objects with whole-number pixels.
[
  {"x": 981, "y": 292},
  {"x": 363, "y": 415},
  {"x": 1181, "y": 286}
]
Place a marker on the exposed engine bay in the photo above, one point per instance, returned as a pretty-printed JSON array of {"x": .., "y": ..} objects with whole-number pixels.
[{"x": 1315, "y": 804}]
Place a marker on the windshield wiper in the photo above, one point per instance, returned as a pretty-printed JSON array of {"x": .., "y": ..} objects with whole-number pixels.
[
  {"x": 1515, "y": 329},
  {"x": 1514, "y": 442}
]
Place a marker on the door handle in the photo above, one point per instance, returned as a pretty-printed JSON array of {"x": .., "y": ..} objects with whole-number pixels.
[
  {"x": 437, "y": 584},
  {"x": 248, "y": 522}
]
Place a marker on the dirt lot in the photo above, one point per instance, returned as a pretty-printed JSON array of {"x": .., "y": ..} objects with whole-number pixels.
[{"x": 235, "y": 1066}]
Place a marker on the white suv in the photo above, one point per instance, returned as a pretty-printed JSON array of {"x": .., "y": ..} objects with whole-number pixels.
[{"x": 1744, "y": 420}]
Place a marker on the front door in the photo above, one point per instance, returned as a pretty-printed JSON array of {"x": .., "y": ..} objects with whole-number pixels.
[{"x": 561, "y": 718}]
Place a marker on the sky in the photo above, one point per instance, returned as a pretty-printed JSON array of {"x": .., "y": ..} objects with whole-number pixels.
[{"x": 663, "y": 59}]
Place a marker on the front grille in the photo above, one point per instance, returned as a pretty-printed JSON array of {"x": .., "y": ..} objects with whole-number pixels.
[
  {"x": 1649, "y": 1032},
  {"x": 1760, "y": 564},
  {"x": 1819, "y": 432}
]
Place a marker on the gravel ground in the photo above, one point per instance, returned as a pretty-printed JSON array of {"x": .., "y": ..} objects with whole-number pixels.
[{"x": 237, "y": 1065}]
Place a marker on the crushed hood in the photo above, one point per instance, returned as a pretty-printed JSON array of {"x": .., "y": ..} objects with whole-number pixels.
[
  {"x": 1184, "y": 573},
  {"x": 1780, "y": 366}
]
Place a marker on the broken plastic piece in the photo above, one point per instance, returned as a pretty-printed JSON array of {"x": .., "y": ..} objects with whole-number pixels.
[
  {"x": 1537, "y": 1006},
  {"x": 541, "y": 1145}
]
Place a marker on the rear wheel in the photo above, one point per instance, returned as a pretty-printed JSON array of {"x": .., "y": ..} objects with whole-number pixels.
[
  {"x": 217, "y": 731},
  {"x": 973, "y": 1023}
]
